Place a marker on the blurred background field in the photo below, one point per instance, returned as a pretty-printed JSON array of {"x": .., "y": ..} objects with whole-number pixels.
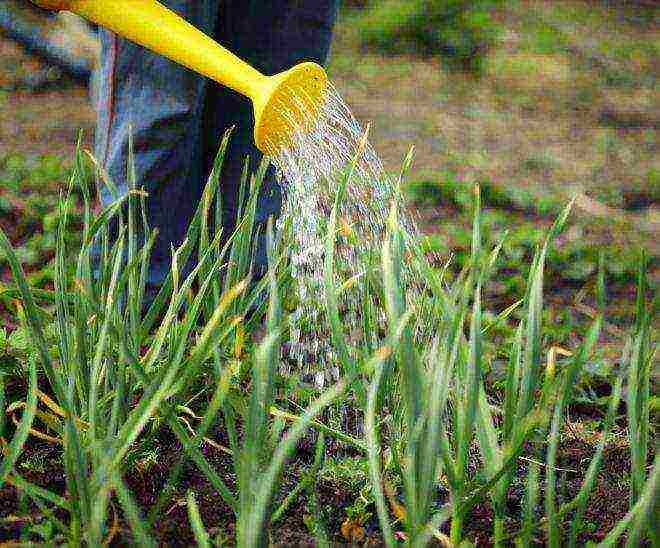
[{"x": 538, "y": 101}]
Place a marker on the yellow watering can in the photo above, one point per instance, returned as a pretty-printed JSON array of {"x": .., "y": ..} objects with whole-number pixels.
[{"x": 283, "y": 103}]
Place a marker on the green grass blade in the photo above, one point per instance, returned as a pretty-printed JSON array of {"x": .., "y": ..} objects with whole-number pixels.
[
  {"x": 637, "y": 410},
  {"x": 76, "y": 467},
  {"x": 209, "y": 338},
  {"x": 355, "y": 443},
  {"x": 642, "y": 368},
  {"x": 475, "y": 256},
  {"x": 468, "y": 410},
  {"x": 647, "y": 364},
  {"x": 208, "y": 197},
  {"x": 193, "y": 452},
  {"x": 36, "y": 492},
  {"x": 407, "y": 359},
  {"x": 640, "y": 301},
  {"x": 555, "y": 431},
  {"x": 145, "y": 261},
  {"x": 371, "y": 428},
  {"x": 201, "y": 536},
  {"x": 638, "y": 516},
  {"x": 440, "y": 383},
  {"x": 15, "y": 447},
  {"x": 331, "y": 301},
  {"x": 321, "y": 534},
  {"x": 310, "y": 478},
  {"x": 590, "y": 477},
  {"x": 133, "y": 305},
  {"x": 261, "y": 398},
  {"x": 601, "y": 297},
  {"x": 503, "y": 316},
  {"x": 532, "y": 352},
  {"x": 560, "y": 223},
  {"x": 257, "y": 422},
  {"x": 375, "y": 473},
  {"x": 95, "y": 380},
  {"x": 79, "y": 173},
  {"x": 61, "y": 308},
  {"x": 93, "y": 531},
  {"x": 531, "y": 501},
  {"x": 645, "y": 522},
  {"x": 103, "y": 218},
  {"x": 531, "y": 359},
  {"x": 487, "y": 435},
  {"x": 512, "y": 385},
  {"x": 473, "y": 378}
]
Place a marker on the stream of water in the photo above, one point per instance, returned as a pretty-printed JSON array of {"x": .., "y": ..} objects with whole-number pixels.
[{"x": 311, "y": 171}]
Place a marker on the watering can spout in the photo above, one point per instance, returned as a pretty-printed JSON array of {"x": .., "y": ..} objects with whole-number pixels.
[{"x": 283, "y": 103}]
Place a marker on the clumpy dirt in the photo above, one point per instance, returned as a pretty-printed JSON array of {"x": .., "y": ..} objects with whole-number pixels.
[{"x": 41, "y": 464}]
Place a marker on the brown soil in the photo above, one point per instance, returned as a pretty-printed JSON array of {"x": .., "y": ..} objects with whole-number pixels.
[{"x": 41, "y": 464}]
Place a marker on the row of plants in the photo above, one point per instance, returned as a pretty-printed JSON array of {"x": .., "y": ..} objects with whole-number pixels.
[
  {"x": 524, "y": 217},
  {"x": 111, "y": 372}
]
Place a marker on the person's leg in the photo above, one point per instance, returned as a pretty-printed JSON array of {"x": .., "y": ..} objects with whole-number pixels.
[
  {"x": 160, "y": 103},
  {"x": 272, "y": 36}
]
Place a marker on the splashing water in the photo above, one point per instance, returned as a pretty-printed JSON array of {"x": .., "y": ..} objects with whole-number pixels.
[{"x": 311, "y": 170}]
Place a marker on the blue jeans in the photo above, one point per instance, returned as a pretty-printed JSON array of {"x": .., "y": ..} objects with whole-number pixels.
[{"x": 178, "y": 118}]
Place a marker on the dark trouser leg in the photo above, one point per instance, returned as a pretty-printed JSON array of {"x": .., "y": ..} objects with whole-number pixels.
[
  {"x": 161, "y": 104},
  {"x": 272, "y": 36},
  {"x": 178, "y": 118}
]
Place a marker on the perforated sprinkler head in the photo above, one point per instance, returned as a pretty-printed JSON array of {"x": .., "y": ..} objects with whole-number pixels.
[{"x": 289, "y": 102}]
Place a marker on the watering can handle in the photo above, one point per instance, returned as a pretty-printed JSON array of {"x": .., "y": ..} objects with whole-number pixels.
[{"x": 156, "y": 27}]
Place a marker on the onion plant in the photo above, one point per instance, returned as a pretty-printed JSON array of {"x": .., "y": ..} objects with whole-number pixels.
[
  {"x": 124, "y": 368},
  {"x": 109, "y": 355},
  {"x": 433, "y": 442}
]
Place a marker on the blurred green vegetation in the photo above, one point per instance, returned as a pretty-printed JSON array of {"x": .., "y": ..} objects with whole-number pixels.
[
  {"x": 564, "y": 107},
  {"x": 459, "y": 30},
  {"x": 29, "y": 193}
]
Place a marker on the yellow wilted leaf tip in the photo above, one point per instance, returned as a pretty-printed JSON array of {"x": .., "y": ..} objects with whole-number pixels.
[
  {"x": 352, "y": 531},
  {"x": 384, "y": 352}
]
